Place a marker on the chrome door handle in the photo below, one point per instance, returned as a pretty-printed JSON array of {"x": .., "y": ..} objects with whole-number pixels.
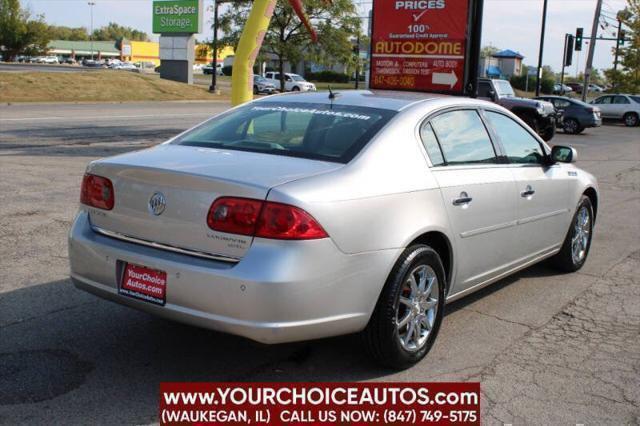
[
  {"x": 462, "y": 200},
  {"x": 528, "y": 192}
]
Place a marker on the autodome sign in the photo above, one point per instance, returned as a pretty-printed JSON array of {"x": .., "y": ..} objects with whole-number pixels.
[
  {"x": 177, "y": 16},
  {"x": 419, "y": 45}
]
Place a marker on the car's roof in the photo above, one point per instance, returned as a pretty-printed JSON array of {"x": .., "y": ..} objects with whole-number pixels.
[{"x": 383, "y": 99}]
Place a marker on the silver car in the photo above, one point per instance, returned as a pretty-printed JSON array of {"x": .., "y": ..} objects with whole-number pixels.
[
  {"x": 303, "y": 216},
  {"x": 620, "y": 107}
]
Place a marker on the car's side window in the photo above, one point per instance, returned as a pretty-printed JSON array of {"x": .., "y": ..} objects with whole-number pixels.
[
  {"x": 463, "y": 138},
  {"x": 620, "y": 100},
  {"x": 603, "y": 100},
  {"x": 484, "y": 90},
  {"x": 519, "y": 145},
  {"x": 561, "y": 103},
  {"x": 431, "y": 144}
]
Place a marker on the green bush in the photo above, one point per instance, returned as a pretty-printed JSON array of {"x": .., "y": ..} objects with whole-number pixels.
[
  {"x": 520, "y": 83},
  {"x": 327, "y": 77}
]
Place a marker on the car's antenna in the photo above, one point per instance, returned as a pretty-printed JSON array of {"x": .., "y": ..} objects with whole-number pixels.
[{"x": 332, "y": 95}]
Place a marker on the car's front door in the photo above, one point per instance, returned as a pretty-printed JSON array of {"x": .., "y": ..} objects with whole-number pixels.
[
  {"x": 620, "y": 105},
  {"x": 477, "y": 193},
  {"x": 542, "y": 190}
]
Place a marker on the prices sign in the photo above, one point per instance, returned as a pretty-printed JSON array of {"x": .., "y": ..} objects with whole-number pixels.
[{"x": 419, "y": 45}]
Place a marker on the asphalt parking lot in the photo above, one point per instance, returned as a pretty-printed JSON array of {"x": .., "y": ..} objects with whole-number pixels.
[{"x": 548, "y": 348}]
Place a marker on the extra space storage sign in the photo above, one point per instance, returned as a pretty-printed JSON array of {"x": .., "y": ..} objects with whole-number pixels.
[
  {"x": 177, "y": 16},
  {"x": 419, "y": 45}
]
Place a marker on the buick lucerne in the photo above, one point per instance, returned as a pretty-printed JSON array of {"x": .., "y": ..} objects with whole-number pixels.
[{"x": 302, "y": 216}]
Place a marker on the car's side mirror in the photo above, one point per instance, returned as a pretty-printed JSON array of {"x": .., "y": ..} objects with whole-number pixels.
[{"x": 563, "y": 154}]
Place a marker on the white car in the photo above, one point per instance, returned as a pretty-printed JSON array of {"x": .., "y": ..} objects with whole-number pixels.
[
  {"x": 595, "y": 88},
  {"x": 292, "y": 82},
  {"x": 620, "y": 107},
  {"x": 127, "y": 66}
]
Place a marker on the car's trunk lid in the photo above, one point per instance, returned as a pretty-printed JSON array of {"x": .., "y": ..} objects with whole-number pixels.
[{"x": 190, "y": 179}]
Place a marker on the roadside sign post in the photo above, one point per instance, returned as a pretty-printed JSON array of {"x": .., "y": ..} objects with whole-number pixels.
[
  {"x": 429, "y": 46},
  {"x": 177, "y": 21}
]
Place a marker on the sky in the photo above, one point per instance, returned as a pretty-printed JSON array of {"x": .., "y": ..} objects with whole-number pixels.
[{"x": 508, "y": 24}]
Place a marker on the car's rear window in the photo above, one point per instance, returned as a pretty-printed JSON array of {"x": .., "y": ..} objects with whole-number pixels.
[
  {"x": 636, "y": 99},
  {"x": 316, "y": 131}
]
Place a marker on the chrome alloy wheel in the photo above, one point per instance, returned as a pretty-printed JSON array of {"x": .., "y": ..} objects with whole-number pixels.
[
  {"x": 417, "y": 307},
  {"x": 581, "y": 235}
]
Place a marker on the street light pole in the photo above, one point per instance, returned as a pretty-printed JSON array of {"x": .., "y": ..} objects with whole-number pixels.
[
  {"x": 91, "y": 4},
  {"x": 214, "y": 73},
  {"x": 544, "y": 24}
]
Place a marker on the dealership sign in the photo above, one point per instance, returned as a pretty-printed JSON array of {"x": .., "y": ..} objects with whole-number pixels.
[
  {"x": 419, "y": 45},
  {"x": 177, "y": 16}
]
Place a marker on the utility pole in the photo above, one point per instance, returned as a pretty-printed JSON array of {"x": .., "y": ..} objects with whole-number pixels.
[
  {"x": 544, "y": 24},
  {"x": 564, "y": 63},
  {"x": 356, "y": 50},
  {"x": 91, "y": 4},
  {"x": 214, "y": 73},
  {"x": 615, "y": 62},
  {"x": 592, "y": 49}
]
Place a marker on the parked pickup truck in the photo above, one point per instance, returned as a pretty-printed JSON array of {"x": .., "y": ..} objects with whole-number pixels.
[
  {"x": 292, "y": 82},
  {"x": 541, "y": 116}
]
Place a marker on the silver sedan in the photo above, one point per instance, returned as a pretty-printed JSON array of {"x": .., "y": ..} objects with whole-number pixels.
[{"x": 303, "y": 216}]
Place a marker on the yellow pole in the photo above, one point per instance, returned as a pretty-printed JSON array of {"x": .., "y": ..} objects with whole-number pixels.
[{"x": 247, "y": 51}]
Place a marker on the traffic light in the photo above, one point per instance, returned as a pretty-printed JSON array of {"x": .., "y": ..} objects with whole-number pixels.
[
  {"x": 579, "y": 32},
  {"x": 621, "y": 36},
  {"x": 568, "y": 55}
]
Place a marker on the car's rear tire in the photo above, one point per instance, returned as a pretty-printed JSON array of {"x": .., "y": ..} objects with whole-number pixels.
[
  {"x": 409, "y": 311},
  {"x": 571, "y": 126},
  {"x": 577, "y": 243},
  {"x": 255, "y": 90},
  {"x": 631, "y": 119}
]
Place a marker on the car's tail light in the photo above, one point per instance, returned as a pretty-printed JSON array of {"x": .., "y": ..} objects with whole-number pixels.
[
  {"x": 285, "y": 222},
  {"x": 97, "y": 191},
  {"x": 263, "y": 219},
  {"x": 234, "y": 215}
]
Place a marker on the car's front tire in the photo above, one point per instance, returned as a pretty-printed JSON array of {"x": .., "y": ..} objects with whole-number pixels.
[
  {"x": 577, "y": 243},
  {"x": 295, "y": 89},
  {"x": 409, "y": 311}
]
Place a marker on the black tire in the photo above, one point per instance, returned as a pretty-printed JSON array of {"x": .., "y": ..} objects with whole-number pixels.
[
  {"x": 532, "y": 122},
  {"x": 381, "y": 336},
  {"x": 548, "y": 133},
  {"x": 564, "y": 260},
  {"x": 255, "y": 90},
  {"x": 295, "y": 89},
  {"x": 631, "y": 119},
  {"x": 571, "y": 126}
]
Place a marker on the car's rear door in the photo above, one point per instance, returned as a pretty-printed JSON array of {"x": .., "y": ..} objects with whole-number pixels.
[
  {"x": 605, "y": 103},
  {"x": 542, "y": 190},
  {"x": 477, "y": 193}
]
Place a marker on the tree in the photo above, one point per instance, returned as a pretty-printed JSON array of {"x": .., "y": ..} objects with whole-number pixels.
[
  {"x": 288, "y": 40},
  {"x": 627, "y": 77},
  {"x": 488, "y": 51},
  {"x": 66, "y": 33},
  {"x": 114, "y": 31},
  {"x": 19, "y": 33}
]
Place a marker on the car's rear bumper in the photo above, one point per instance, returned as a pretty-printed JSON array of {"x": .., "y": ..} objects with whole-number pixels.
[{"x": 279, "y": 292}]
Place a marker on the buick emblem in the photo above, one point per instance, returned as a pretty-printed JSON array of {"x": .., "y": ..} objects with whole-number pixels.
[{"x": 157, "y": 203}]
